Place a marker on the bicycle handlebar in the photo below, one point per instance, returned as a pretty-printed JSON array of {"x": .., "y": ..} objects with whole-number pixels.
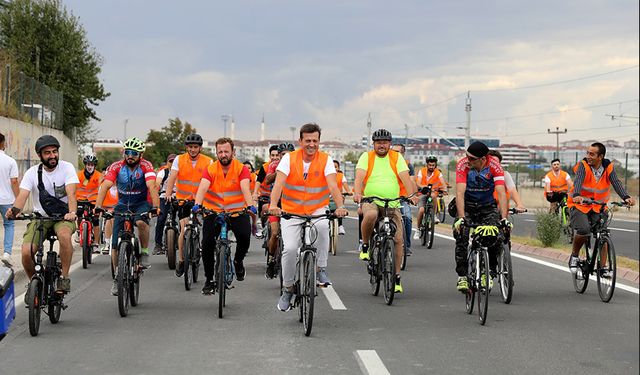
[
  {"x": 592, "y": 201},
  {"x": 328, "y": 215},
  {"x": 109, "y": 215},
  {"x": 372, "y": 198},
  {"x": 514, "y": 211},
  {"x": 37, "y": 216}
]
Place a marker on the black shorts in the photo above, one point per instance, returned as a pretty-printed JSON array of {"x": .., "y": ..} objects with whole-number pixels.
[
  {"x": 556, "y": 197},
  {"x": 581, "y": 222}
]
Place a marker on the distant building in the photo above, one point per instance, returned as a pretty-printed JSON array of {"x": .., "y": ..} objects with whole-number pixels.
[{"x": 106, "y": 144}]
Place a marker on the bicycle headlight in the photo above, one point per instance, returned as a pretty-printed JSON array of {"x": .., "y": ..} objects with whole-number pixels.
[{"x": 38, "y": 268}]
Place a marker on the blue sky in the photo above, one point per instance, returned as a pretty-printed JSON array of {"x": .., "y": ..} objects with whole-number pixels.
[{"x": 333, "y": 62}]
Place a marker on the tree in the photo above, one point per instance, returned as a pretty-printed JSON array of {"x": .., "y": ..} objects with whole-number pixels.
[
  {"x": 352, "y": 156},
  {"x": 168, "y": 140},
  {"x": 50, "y": 44},
  {"x": 106, "y": 158}
]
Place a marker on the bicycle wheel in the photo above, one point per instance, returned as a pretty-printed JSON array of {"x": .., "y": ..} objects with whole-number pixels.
[
  {"x": 122, "y": 277},
  {"x": 35, "y": 308},
  {"x": 84, "y": 244},
  {"x": 220, "y": 280},
  {"x": 195, "y": 258},
  {"x": 431, "y": 228},
  {"x": 134, "y": 281},
  {"x": 186, "y": 254},
  {"x": 483, "y": 290},
  {"x": 308, "y": 293},
  {"x": 442, "y": 210},
  {"x": 374, "y": 270},
  {"x": 389, "y": 270},
  {"x": 581, "y": 276},
  {"x": 505, "y": 273},
  {"x": 470, "y": 295},
  {"x": 334, "y": 237},
  {"x": 170, "y": 247},
  {"x": 606, "y": 282},
  {"x": 54, "y": 305},
  {"x": 423, "y": 228}
]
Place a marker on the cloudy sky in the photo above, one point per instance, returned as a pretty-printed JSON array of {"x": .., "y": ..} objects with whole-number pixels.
[{"x": 529, "y": 65}]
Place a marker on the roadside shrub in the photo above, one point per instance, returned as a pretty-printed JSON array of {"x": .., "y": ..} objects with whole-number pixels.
[{"x": 549, "y": 228}]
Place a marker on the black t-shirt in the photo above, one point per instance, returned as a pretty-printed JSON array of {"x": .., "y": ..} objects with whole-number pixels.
[{"x": 262, "y": 174}]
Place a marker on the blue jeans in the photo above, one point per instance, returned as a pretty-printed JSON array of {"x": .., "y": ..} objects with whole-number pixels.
[
  {"x": 8, "y": 228},
  {"x": 408, "y": 221},
  {"x": 118, "y": 222}
]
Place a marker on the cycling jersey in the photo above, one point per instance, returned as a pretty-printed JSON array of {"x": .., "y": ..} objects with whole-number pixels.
[
  {"x": 132, "y": 184},
  {"x": 480, "y": 184}
]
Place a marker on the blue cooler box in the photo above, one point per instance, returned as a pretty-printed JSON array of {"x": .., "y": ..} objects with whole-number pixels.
[{"x": 7, "y": 300}]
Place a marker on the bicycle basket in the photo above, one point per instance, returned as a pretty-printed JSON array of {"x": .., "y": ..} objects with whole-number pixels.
[{"x": 486, "y": 235}]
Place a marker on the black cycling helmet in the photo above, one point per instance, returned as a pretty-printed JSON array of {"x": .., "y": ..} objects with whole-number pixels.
[
  {"x": 90, "y": 159},
  {"x": 282, "y": 147},
  {"x": 45, "y": 141},
  {"x": 193, "y": 139},
  {"x": 432, "y": 159},
  {"x": 381, "y": 135}
]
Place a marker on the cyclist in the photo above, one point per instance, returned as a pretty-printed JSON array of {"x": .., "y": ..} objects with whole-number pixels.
[
  {"x": 509, "y": 185},
  {"x": 162, "y": 175},
  {"x": 594, "y": 177},
  {"x": 136, "y": 182},
  {"x": 109, "y": 203},
  {"x": 557, "y": 184},
  {"x": 478, "y": 174},
  {"x": 407, "y": 218},
  {"x": 52, "y": 185},
  {"x": 224, "y": 187},
  {"x": 186, "y": 173},
  {"x": 274, "y": 221},
  {"x": 262, "y": 190},
  {"x": 304, "y": 180},
  {"x": 87, "y": 192},
  {"x": 344, "y": 187},
  {"x": 383, "y": 173},
  {"x": 429, "y": 175}
]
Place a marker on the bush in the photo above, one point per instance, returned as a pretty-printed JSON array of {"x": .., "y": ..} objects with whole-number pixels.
[{"x": 549, "y": 228}]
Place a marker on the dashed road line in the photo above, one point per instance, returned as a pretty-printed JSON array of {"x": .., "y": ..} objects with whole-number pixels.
[
  {"x": 370, "y": 363},
  {"x": 333, "y": 298}
]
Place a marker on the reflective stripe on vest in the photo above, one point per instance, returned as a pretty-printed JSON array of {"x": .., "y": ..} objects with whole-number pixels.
[
  {"x": 393, "y": 161},
  {"x": 87, "y": 190},
  {"x": 596, "y": 190},
  {"x": 304, "y": 196},
  {"x": 189, "y": 176},
  {"x": 225, "y": 193}
]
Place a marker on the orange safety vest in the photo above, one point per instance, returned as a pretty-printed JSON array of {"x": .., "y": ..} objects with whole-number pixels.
[
  {"x": 495, "y": 195},
  {"x": 189, "y": 176},
  {"x": 224, "y": 193},
  {"x": 265, "y": 189},
  {"x": 253, "y": 178},
  {"x": 596, "y": 190},
  {"x": 87, "y": 190},
  {"x": 393, "y": 160},
  {"x": 558, "y": 183},
  {"x": 304, "y": 196},
  {"x": 111, "y": 199},
  {"x": 434, "y": 180},
  {"x": 339, "y": 176}
]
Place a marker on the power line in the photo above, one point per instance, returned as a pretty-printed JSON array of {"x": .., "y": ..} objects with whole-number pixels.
[{"x": 572, "y": 130}]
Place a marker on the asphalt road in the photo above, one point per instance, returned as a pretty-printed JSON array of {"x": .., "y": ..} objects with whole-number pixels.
[{"x": 547, "y": 329}]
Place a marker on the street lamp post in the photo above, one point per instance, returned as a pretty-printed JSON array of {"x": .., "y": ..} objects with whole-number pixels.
[{"x": 225, "y": 118}]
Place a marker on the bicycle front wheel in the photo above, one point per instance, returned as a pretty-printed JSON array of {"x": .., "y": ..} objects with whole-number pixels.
[
  {"x": 84, "y": 244},
  {"x": 373, "y": 268},
  {"x": 123, "y": 277},
  {"x": 607, "y": 269},
  {"x": 505, "y": 273},
  {"x": 221, "y": 284},
  {"x": 431, "y": 228},
  {"x": 308, "y": 292},
  {"x": 581, "y": 276},
  {"x": 134, "y": 280},
  {"x": 483, "y": 290},
  {"x": 54, "y": 304},
  {"x": 389, "y": 270},
  {"x": 470, "y": 295},
  {"x": 170, "y": 247},
  {"x": 187, "y": 251},
  {"x": 35, "y": 308}
]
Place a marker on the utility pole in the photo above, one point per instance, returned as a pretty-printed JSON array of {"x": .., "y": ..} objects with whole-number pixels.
[
  {"x": 557, "y": 132},
  {"x": 225, "y": 118},
  {"x": 233, "y": 128},
  {"x": 406, "y": 135},
  {"x": 467, "y": 108},
  {"x": 125, "y": 128},
  {"x": 369, "y": 129}
]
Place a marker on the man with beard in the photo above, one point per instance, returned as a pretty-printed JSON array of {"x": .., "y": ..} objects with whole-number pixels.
[
  {"x": 185, "y": 176},
  {"x": 224, "y": 187},
  {"x": 557, "y": 184},
  {"x": 382, "y": 173},
  {"x": 56, "y": 179},
  {"x": 136, "y": 181},
  {"x": 87, "y": 193}
]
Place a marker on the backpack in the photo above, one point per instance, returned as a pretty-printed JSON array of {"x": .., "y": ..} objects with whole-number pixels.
[{"x": 50, "y": 204}]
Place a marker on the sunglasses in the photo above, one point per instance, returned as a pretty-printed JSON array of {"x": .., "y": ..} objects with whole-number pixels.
[
  {"x": 472, "y": 158},
  {"x": 131, "y": 153}
]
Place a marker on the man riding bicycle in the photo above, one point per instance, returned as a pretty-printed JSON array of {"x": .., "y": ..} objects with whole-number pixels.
[
  {"x": 224, "y": 187},
  {"x": 594, "y": 177},
  {"x": 87, "y": 193},
  {"x": 162, "y": 176},
  {"x": 344, "y": 187},
  {"x": 135, "y": 179},
  {"x": 52, "y": 185},
  {"x": 478, "y": 174},
  {"x": 429, "y": 175},
  {"x": 186, "y": 173},
  {"x": 304, "y": 180},
  {"x": 557, "y": 184},
  {"x": 383, "y": 173},
  {"x": 262, "y": 190}
]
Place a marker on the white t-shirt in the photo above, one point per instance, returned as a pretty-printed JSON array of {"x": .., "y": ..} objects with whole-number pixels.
[
  {"x": 285, "y": 166},
  {"x": 508, "y": 181},
  {"x": 54, "y": 182},
  {"x": 8, "y": 170},
  {"x": 163, "y": 187}
]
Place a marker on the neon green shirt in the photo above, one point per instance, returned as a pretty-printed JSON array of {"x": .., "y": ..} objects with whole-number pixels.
[{"x": 382, "y": 182}]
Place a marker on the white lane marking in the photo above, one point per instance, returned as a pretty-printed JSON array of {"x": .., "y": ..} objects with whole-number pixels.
[
  {"x": 530, "y": 220},
  {"x": 370, "y": 363},
  {"x": 332, "y": 297},
  {"x": 552, "y": 265},
  {"x": 623, "y": 230}
]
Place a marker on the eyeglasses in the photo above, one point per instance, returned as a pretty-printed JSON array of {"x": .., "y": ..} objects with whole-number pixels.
[{"x": 131, "y": 152}]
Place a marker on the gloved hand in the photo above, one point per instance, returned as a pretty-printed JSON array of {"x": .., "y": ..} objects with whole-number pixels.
[
  {"x": 98, "y": 210},
  {"x": 196, "y": 208},
  {"x": 505, "y": 223},
  {"x": 253, "y": 210},
  {"x": 458, "y": 223}
]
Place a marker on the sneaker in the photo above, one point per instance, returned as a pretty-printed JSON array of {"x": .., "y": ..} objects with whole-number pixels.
[
  {"x": 436, "y": 220},
  {"x": 180, "y": 269},
  {"x": 573, "y": 263},
  {"x": 256, "y": 232},
  {"x": 341, "y": 230},
  {"x": 398, "y": 285},
  {"x": 322, "y": 278},
  {"x": 158, "y": 249},
  {"x": 208, "y": 287},
  {"x": 114, "y": 287},
  {"x": 604, "y": 273},
  {"x": 106, "y": 248},
  {"x": 364, "y": 253},
  {"x": 416, "y": 234},
  {"x": 284, "y": 303},
  {"x": 462, "y": 285},
  {"x": 408, "y": 251},
  {"x": 64, "y": 285},
  {"x": 240, "y": 271},
  {"x": 271, "y": 268},
  {"x": 6, "y": 258},
  {"x": 144, "y": 252},
  {"x": 95, "y": 248},
  {"x": 26, "y": 296},
  {"x": 483, "y": 282}
]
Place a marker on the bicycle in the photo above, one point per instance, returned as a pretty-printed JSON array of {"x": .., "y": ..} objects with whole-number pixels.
[
  {"x": 86, "y": 233},
  {"x": 563, "y": 213},
  {"x": 606, "y": 270},
  {"x": 191, "y": 250},
  {"x": 382, "y": 260},
  {"x": 170, "y": 236},
  {"x": 428, "y": 225},
  {"x": 505, "y": 267},
  {"x": 304, "y": 284},
  {"x": 42, "y": 288},
  {"x": 441, "y": 206},
  {"x": 333, "y": 231},
  {"x": 277, "y": 254},
  {"x": 130, "y": 269}
]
